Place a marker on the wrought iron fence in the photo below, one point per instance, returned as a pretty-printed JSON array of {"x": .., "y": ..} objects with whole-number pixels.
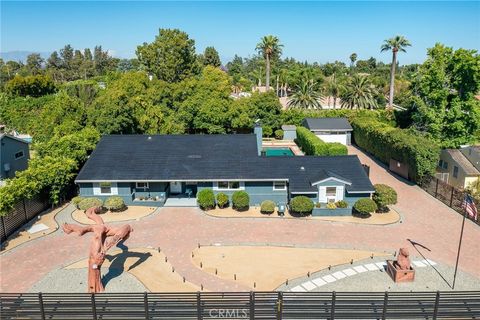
[
  {"x": 448, "y": 194},
  {"x": 242, "y": 305}
]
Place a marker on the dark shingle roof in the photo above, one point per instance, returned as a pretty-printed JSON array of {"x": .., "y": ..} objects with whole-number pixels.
[
  {"x": 327, "y": 124},
  {"x": 210, "y": 157},
  {"x": 462, "y": 161}
]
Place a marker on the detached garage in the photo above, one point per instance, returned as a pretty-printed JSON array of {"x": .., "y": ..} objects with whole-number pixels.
[{"x": 330, "y": 129}]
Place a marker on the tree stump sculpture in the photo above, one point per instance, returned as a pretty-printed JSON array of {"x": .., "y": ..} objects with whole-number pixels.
[
  {"x": 401, "y": 269},
  {"x": 104, "y": 238}
]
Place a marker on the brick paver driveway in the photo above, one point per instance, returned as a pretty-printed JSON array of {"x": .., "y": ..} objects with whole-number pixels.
[{"x": 178, "y": 231}]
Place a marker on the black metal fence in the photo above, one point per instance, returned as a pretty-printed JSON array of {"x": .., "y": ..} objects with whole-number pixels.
[
  {"x": 242, "y": 305},
  {"x": 23, "y": 212},
  {"x": 448, "y": 194}
]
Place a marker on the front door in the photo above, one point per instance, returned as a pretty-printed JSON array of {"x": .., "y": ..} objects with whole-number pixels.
[{"x": 175, "y": 187}]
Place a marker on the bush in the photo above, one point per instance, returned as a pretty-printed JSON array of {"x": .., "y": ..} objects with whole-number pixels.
[
  {"x": 34, "y": 86},
  {"x": 384, "y": 196},
  {"x": 76, "y": 200},
  {"x": 341, "y": 204},
  {"x": 222, "y": 200},
  {"x": 240, "y": 200},
  {"x": 90, "y": 202},
  {"x": 318, "y": 205},
  {"x": 313, "y": 146},
  {"x": 301, "y": 204},
  {"x": 206, "y": 199},
  {"x": 115, "y": 204},
  {"x": 267, "y": 206},
  {"x": 365, "y": 206},
  {"x": 331, "y": 205},
  {"x": 279, "y": 134},
  {"x": 408, "y": 146}
]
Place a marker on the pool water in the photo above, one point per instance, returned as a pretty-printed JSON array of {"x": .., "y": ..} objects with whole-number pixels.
[{"x": 276, "y": 152}]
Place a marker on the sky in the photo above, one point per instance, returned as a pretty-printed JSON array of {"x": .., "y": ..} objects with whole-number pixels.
[{"x": 310, "y": 31}]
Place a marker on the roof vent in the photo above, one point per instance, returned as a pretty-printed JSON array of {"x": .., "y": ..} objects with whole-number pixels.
[
  {"x": 302, "y": 168},
  {"x": 149, "y": 138},
  {"x": 194, "y": 156}
]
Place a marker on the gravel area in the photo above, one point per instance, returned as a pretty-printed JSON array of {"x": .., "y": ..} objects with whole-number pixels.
[
  {"x": 75, "y": 280},
  {"x": 426, "y": 279}
]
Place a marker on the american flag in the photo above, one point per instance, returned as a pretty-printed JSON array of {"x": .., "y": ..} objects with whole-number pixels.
[{"x": 469, "y": 207}]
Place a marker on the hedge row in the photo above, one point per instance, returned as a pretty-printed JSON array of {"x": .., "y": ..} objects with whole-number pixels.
[
  {"x": 313, "y": 146},
  {"x": 407, "y": 146}
]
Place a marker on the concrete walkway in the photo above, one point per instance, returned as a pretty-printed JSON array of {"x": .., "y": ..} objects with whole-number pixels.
[{"x": 428, "y": 223}]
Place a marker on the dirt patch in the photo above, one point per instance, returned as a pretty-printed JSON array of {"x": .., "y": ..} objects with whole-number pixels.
[
  {"x": 266, "y": 268},
  {"x": 375, "y": 218},
  {"x": 132, "y": 213},
  {"x": 148, "y": 266},
  {"x": 253, "y": 212}
]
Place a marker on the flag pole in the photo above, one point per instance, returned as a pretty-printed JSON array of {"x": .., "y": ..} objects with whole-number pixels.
[{"x": 459, "y": 247}]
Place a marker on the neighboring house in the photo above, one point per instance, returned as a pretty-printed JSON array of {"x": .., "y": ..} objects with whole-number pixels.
[
  {"x": 139, "y": 167},
  {"x": 14, "y": 155},
  {"x": 330, "y": 129},
  {"x": 459, "y": 167}
]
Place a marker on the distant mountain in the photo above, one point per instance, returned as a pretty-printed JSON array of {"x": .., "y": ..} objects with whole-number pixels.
[{"x": 21, "y": 55}]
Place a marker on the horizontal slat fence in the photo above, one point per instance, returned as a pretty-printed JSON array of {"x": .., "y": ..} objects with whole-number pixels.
[{"x": 242, "y": 305}]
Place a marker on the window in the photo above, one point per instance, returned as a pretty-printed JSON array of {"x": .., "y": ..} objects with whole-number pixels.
[
  {"x": 455, "y": 171},
  {"x": 440, "y": 163},
  {"x": 229, "y": 185},
  {"x": 445, "y": 165},
  {"x": 331, "y": 194},
  {"x": 142, "y": 185},
  {"x": 19, "y": 154},
  {"x": 279, "y": 185},
  {"x": 105, "y": 188}
]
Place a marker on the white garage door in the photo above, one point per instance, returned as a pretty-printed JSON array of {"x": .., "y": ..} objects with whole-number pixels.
[{"x": 342, "y": 138}]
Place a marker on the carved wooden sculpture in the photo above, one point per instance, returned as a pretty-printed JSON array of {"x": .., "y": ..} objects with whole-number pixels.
[
  {"x": 104, "y": 238},
  {"x": 401, "y": 270}
]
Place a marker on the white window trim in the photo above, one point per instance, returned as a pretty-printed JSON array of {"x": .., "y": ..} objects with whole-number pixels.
[
  {"x": 97, "y": 189},
  {"x": 23, "y": 154},
  {"x": 241, "y": 184},
  {"x": 143, "y": 188},
  {"x": 282, "y": 189},
  {"x": 337, "y": 197}
]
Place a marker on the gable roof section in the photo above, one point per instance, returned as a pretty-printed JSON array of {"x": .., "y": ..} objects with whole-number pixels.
[
  {"x": 463, "y": 162},
  {"x": 4, "y": 135},
  {"x": 327, "y": 124},
  {"x": 212, "y": 157},
  {"x": 325, "y": 175}
]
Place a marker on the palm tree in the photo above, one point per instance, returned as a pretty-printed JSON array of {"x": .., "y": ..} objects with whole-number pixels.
[
  {"x": 359, "y": 94},
  {"x": 396, "y": 44},
  {"x": 270, "y": 47},
  {"x": 306, "y": 96},
  {"x": 353, "y": 58},
  {"x": 333, "y": 88}
]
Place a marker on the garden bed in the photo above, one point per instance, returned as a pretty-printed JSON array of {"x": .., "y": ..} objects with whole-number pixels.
[{"x": 131, "y": 213}]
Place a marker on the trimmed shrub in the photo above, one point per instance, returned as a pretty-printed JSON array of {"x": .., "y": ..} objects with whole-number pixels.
[
  {"x": 240, "y": 200},
  {"x": 301, "y": 204},
  {"x": 222, "y": 200},
  {"x": 318, "y": 205},
  {"x": 279, "y": 134},
  {"x": 384, "y": 196},
  {"x": 408, "y": 146},
  {"x": 115, "y": 204},
  {"x": 313, "y": 146},
  {"x": 76, "y": 200},
  {"x": 365, "y": 206},
  {"x": 89, "y": 202},
  {"x": 267, "y": 206},
  {"x": 206, "y": 199},
  {"x": 331, "y": 205},
  {"x": 341, "y": 204}
]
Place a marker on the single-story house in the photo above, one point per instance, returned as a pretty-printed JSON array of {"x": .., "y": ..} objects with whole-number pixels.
[
  {"x": 330, "y": 129},
  {"x": 460, "y": 167},
  {"x": 149, "y": 169},
  {"x": 14, "y": 155}
]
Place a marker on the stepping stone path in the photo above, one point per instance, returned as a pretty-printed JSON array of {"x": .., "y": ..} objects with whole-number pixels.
[{"x": 350, "y": 272}]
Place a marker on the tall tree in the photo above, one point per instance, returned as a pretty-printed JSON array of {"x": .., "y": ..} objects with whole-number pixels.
[
  {"x": 211, "y": 57},
  {"x": 306, "y": 96},
  {"x": 270, "y": 47},
  {"x": 34, "y": 63},
  {"x": 353, "y": 58},
  {"x": 333, "y": 88},
  {"x": 359, "y": 93},
  {"x": 171, "y": 56},
  {"x": 396, "y": 44}
]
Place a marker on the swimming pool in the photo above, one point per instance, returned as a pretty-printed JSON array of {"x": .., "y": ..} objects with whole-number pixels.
[{"x": 276, "y": 152}]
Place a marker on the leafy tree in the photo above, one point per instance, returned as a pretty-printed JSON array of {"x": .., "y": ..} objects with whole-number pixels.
[
  {"x": 333, "y": 88},
  {"x": 34, "y": 63},
  {"x": 353, "y": 58},
  {"x": 171, "y": 56},
  {"x": 306, "y": 96},
  {"x": 211, "y": 57},
  {"x": 396, "y": 44},
  {"x": 270, "y": 48},
  {"x": 34, "y": 86},
  {"x": 359, "y": 94}
]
